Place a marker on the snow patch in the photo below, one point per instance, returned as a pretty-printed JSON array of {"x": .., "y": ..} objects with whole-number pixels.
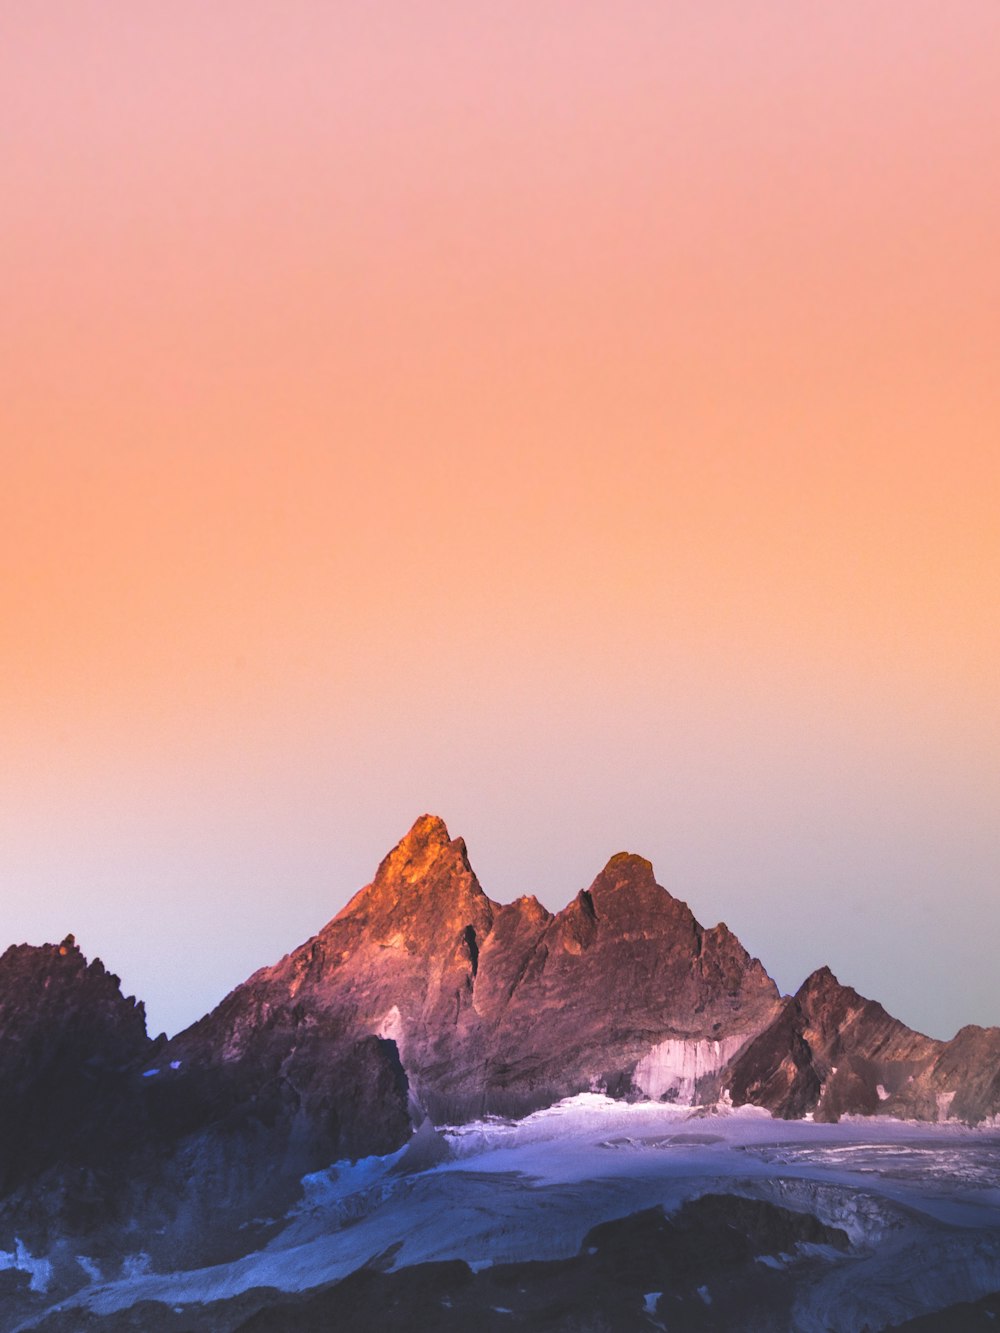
[
  {"x": 649, "y": 1301},
  {"x": 22, "y": 1260},
  {"x": 136, "y": 1265},
  {"x": 391, "y": 1026},
  {"x": 348, "y": 1191},
  {"x": 89, "y": 1267},
  {"x": 671, "y": 1069},
  {"x": 944, "y": 1101},
  {"x": 770, "y": 1261}
]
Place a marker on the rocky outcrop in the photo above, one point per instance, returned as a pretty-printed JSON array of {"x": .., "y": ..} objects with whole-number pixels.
[
  {"x": 69, "y": 1043},
  {"x": 507, "y": 1008},
  {"x": 831, "y": 1052},
  {"x": 99, "y": 1124}
]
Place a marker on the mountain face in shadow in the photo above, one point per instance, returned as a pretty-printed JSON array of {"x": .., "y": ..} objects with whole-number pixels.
[{"x": 68, "y": 1040}]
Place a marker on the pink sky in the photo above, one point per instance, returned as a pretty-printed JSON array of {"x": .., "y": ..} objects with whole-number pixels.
[{"x": 582, "y": 421}]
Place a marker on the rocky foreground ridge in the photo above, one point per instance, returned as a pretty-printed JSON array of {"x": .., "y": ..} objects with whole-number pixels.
[{"x": 424, "y": 998}]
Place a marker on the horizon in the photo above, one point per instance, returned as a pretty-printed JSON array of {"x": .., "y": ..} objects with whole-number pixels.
[{"x": 580, "y": 421}]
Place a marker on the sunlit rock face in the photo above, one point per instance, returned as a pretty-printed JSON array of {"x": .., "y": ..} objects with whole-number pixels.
[{"x": 507, "y": 1008}]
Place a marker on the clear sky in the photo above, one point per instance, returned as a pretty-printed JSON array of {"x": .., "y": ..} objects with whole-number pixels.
[{"x": 581, "y": 421}]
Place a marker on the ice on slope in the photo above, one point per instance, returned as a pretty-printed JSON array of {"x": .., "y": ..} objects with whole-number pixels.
[
  {"x": 532, "y": 1189},
  {"x": 20, "y": 1259},
  {"x": 674, "y": 1067}
]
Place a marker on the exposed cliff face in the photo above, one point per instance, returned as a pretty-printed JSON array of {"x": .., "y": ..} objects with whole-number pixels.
[
  {"x": 832, "y": 1052},
  {"x": 966, "y": 1074},
  {"x": 507, "y": 1008},
  {"x": 68, "y": 1041}
]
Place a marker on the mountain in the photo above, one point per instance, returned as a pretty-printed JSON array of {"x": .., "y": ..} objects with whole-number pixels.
[
  {"x": 425, "y": 1003},
  {"x": 504, "y": 1009},
  {"x": 100, "y": 1126},
  {"x": 425, "y": 998},
  {"x": 68, "y": 1040},
  {"x": 831, "y": 1052}
]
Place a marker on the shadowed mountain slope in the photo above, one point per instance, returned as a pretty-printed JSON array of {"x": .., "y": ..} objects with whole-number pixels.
[{"x": 68, "y": 1040}]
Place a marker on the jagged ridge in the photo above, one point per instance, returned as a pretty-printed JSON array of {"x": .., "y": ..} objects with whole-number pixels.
[{"x": 505, "y": 1008}]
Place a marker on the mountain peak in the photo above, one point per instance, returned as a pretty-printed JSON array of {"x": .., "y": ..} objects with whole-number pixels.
[
  {"x": 428, "y": 828},
  {"x": 418, "y": 852},
  {"x": 820, "y": 982},
  {"x": 426, "y": 876},
  {"x": 627, "y": 868}
]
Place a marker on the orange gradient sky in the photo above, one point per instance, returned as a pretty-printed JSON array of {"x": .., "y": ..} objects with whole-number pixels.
[{"x": 579, "y": 420}]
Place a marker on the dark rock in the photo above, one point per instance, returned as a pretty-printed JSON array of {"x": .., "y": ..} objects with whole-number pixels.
[
  {"x": 965, "y": 1317},
  {"x": 69, "y": 1045}
]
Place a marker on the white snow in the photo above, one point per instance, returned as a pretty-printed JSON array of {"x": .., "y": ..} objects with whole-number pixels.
[
  {"x": 944, "y": 1101},
  {"x": 533, "y": 1189},
  {"x": 672, "y": 1068},
  {"x": 649, "y": 1301},
  {"x": 391, "y": 1026},
  {"x": 21, "y": 1259},
  {"x": 135, "y": 1265}
]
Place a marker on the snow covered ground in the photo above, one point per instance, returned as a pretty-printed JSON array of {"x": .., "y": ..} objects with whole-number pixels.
[{"x": 920, "y": 1203}]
